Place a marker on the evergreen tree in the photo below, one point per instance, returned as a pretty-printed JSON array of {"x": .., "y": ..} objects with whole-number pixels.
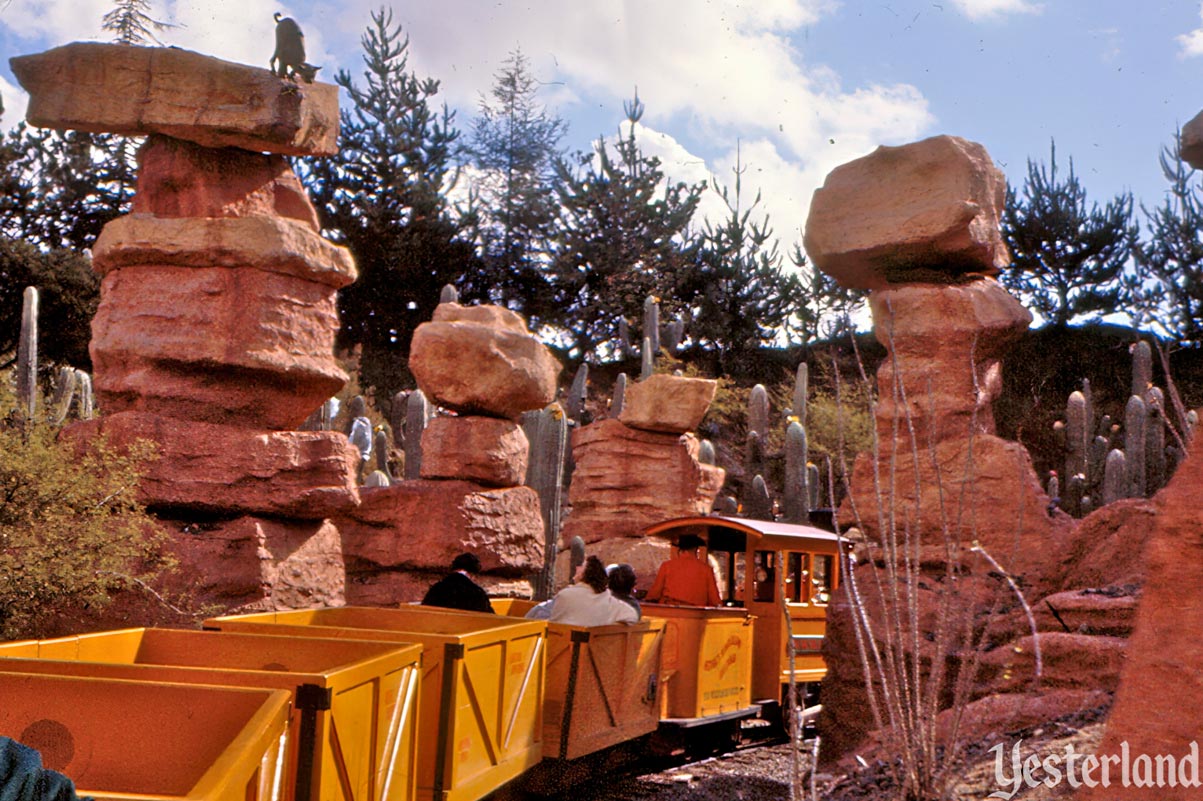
[
  {"x": 514, "y": 147},
  {"x": 1170, "y": 263},
  {"x": 740, "y": 295},
  {"x": 623, "y": 234},
  {"x": 131, "y": 22},
  {"x": 383, "y": 196},
  {"x": 824, "y": 309},
  {"x": 1067, "y": 259}
]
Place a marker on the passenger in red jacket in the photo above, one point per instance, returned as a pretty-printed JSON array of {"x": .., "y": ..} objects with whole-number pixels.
[{"x": 686, "y": 579}]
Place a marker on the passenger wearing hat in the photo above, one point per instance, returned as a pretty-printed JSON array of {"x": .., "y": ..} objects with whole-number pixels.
[{"x": 686, "y": 579}]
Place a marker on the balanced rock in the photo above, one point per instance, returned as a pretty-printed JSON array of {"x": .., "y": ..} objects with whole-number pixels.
[
  {"x": 182, "y": 179},
  {"x": 208, "y": 467},
  {"x": 945, "y": 344},
  {"x": 1191, "y": 144},
  {"x": 487, "y": 450},
  {"x": 134, "y": 91},
  {"x": 482, "y": 360},
  {"x": 223, "y": 320},
  {"x": 626, "y": 479},
  {"x": 927, "y": 211},
  {"x": 668, "y": 403},
  {"x": 426, "y": 524},
  {"x": 255, "y": 563}
]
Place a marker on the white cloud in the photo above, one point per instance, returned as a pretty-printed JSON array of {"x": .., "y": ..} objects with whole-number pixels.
[
  {"x": 55, "y": 21},
  {"x": 985, "y": 9},
  {"x": 15, "y": 102},
  {"x": 1192, "y": 43}
]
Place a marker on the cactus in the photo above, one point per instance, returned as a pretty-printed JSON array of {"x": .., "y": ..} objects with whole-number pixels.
[
  {"x": 814, "y": 486},
  {"x": 1096, "y": 461},
  {"x": 726, "y": 505},
  {"x": 758, "y": 506},
  {"x": 396, "y": 417},
  {"x": 547, "y": 432},
  {"x": 449, "y": 295},
  {"x": 577, "y": 393},
  {"x": 381, "y": 448},
  {"x": 758, "y": 410},
  {"x": 800, "y": 392},
  {"x": 377, "y": 478},
  {"x": 706, "y": 453},
  {"x": 27, "y": 355},
  {"x": 620, "y": 395},
  {"x": 416, "y": 416},
  {"x": 87, "y": 400},
  {"x": 754, "y": 463},
  {"x": 624, "y": 338},
  {"x": 1115, "y": 480},
  {"x": 1155, "y": 464},
  {"x": 1054, "y": 489},
  {"x": 1088, "y": 426},
  {"x": 66, "y": 384},
  {"x": 1142, "y": 368},
  {"x": 1135, "y": 417},
  {"x": 794, "y": 501},
  {"x": 1075, "y": 434},
  {"x": 1071, "y": 501},
  {"x": 648, "y": 365},
  {"x": 674, "y": 333},
  {"x": 651, "y": 323}
]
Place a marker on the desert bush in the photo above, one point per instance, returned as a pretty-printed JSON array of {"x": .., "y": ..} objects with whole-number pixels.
[{"x": 71, "y": 529}]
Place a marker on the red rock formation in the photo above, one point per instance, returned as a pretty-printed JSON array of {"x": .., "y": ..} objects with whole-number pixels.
[
  {"x": 134, "y": 91},
  {"x": 208, "y": 467},
  {"x": 1159, "y": 705},
  {"x": 626, "y": 479},
  {"x": 668, "y": 403},
  {"x": 482, "y": 360},
  {"x": 926, "y": 211},
  {"x": 482, "y": 449},
  {"x": 425, "y": 524}
]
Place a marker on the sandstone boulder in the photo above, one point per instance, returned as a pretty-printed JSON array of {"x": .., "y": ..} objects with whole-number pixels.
[
  {"x": 182, "y": 179},
  {"x": 390, "y": 587},
  {"x": 1070, "y": 661},
  {"x": 207, "y": 467},
  {"x": 1107, "y": 547},
  {"x": 1191, "y": 146},
  {"x": 482, "y": 360},
  {"x": 134, "y": 91},
  {"x": 668, "y": 403},
  {"x": 944, "y": 345},
  {"x": 425, "y": 524},
  {"x": 482, "y": 449},
  {"x": 257, "y": 564},
  {"x": 626, "y": 479},
  {"x": 926, "y": 211},
  {"x": 1013, "y": 711}
]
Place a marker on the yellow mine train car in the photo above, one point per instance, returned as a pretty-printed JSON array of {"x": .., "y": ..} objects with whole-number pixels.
[{"x": 492, "y": 696}]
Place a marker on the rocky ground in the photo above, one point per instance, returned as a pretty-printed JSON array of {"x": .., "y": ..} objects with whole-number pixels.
[{"x": 764, "y": 773}]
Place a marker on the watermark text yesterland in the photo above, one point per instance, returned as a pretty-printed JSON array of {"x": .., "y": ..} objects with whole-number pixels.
[{"x": 1015, "y": 771}]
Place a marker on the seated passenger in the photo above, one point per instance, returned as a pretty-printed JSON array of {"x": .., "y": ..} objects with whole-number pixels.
[
  {"x": 456, "y": 590},
  {"x": 589, "y": 602},
  {"x": 686, "y": 579},
  {"x": 622, "y": 583}
]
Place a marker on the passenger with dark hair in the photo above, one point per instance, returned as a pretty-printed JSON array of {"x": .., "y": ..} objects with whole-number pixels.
[
  {"x": 686, "y": 579},
  {"x": 589, "y": 602},
  {"x": 621, "y": 579},
  {"x": 457, "y": 590}
]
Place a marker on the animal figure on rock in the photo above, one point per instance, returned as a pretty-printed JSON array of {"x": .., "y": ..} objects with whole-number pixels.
[{"x": 289, "y": 59}]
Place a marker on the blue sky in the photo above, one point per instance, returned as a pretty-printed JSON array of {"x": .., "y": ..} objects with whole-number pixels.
[{"x": 801, "y": 85}]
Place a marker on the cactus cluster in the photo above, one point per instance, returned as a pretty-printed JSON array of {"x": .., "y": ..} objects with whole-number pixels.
[
  {"x": 72, "y": 387},
  {"x": 1100, "y": 467}
]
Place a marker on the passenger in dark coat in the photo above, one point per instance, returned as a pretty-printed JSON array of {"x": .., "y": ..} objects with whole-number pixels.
[{"x": 457, "y": 590}]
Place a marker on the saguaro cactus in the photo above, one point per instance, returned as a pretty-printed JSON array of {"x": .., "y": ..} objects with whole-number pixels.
[
  {"x": 674, "y": 332},
  {"x": 1142, "y": 368},
  {"x": 416, "y": 417},
  {"x": 449, "y": 294},
  {"x": 758, "y": 505},
  {"x": 1076, "y": 434},
  {"x": 578, "y": 392},
  {"x": 1155, "y": 460},
  {"x": 1135, "y": 417},
  {"x": 547, "y": 432},
  {"x": 796, "y": 499},
  {"x": 800, "y": 392},
  {"x": 27, "y": 355},
  {"x": 651, "y": 323},
  {"x": 620, "y": 395},
  {"x": 1115, "y": 479},
  {"x": 758, "y": 410}
]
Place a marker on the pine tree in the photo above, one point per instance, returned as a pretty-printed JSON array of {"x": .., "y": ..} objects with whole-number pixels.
[
  {"x": 384, "y": 197},
  {"x": 623, "y": 234},
  {"x": 131, "y": 22},
  {"x": 1170, "y": 263},
  {"x": 740, "y": 295},
  {"x": 1067, "y": 259},
  {"x": 824, "y": 309},
  {"x": 514, "y": 146}
]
